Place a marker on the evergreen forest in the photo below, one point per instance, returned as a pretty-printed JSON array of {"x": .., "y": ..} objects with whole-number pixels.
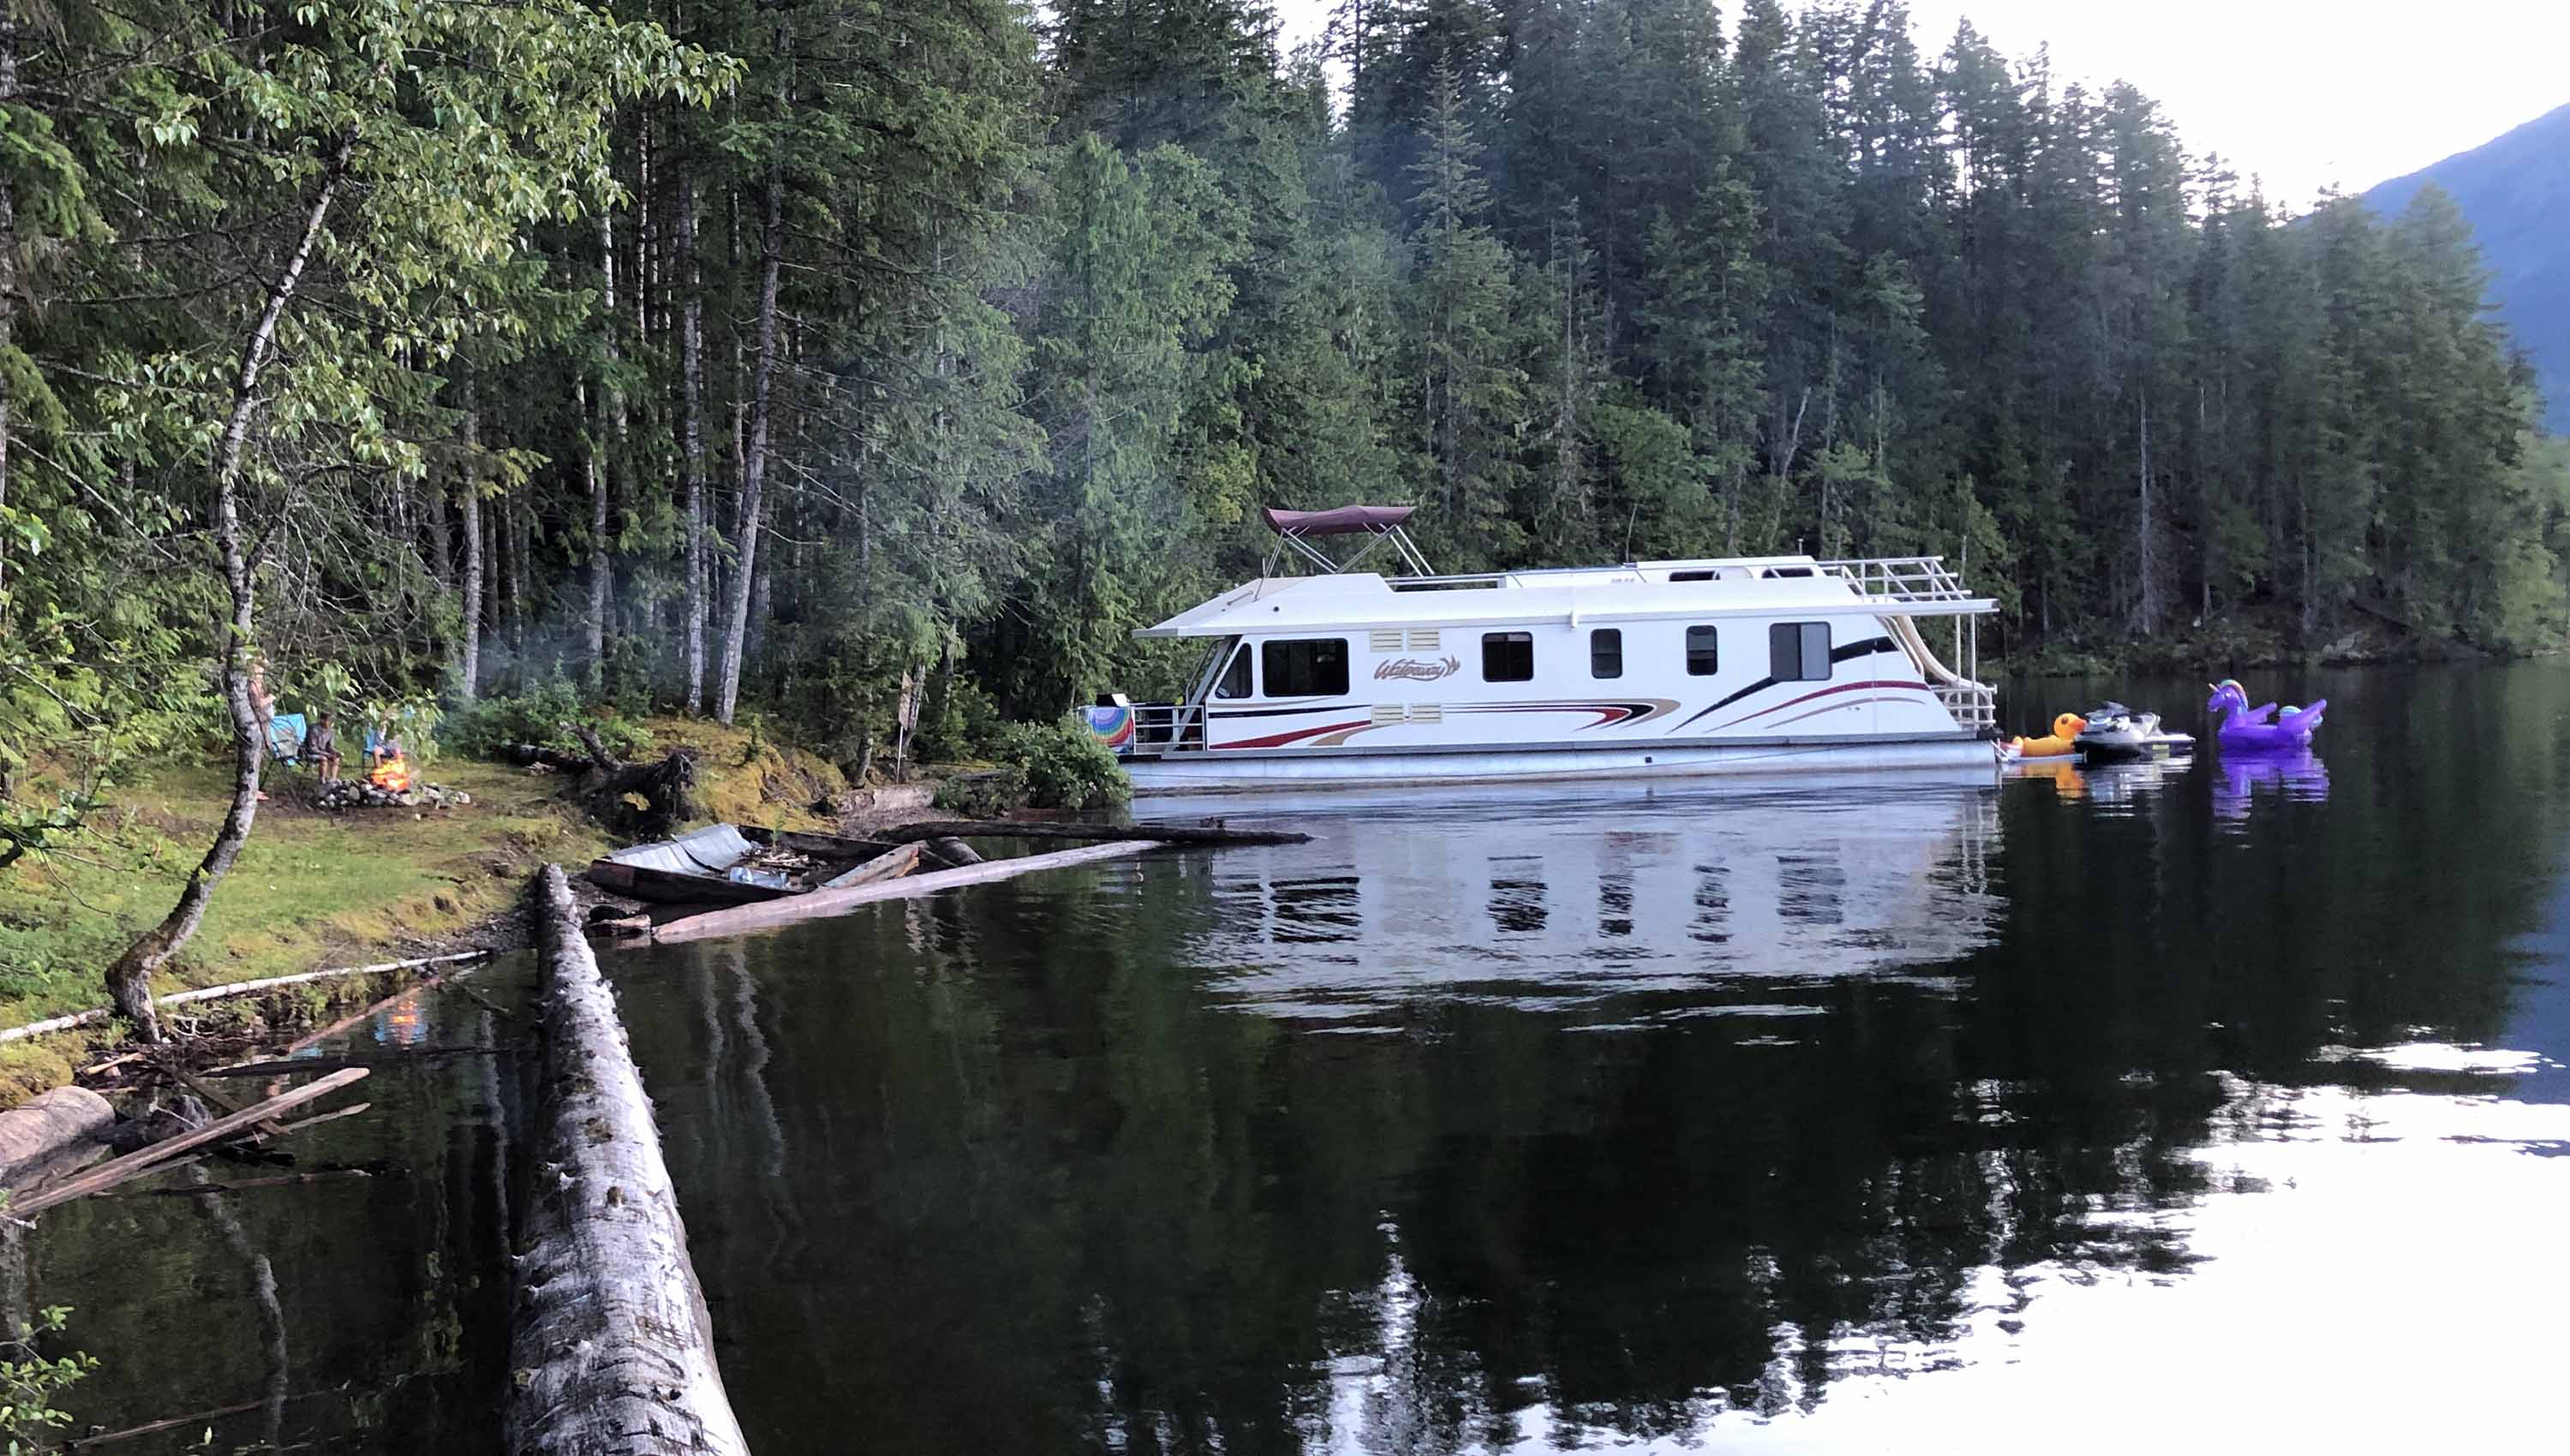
[{"x": 862, "y": 363}]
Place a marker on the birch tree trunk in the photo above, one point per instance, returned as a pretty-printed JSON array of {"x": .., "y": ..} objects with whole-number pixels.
[
  {"x": 692, "y": 349},
  {"x": 441, "y": 547},
  {"x": 513, "y": 519},
  {"x": 594, "y": 621},
  {"x": 611, "y": 420},
  {"x": 494, "y": 604},
  {"x": 128, "y": 980},
  {"x": 612, "y": 412},
  {"x": 471, "y": 686},
  {"x": 8, "y": 286},
  {"x": 753, "y": 469},
  {"x": 9, "y": 283}
]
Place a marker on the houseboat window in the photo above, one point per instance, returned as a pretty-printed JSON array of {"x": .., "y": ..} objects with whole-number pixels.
[
  {"x": 1311, "y": 669},
  {"x": 1235, "y": 678},
  {"x": 1606, "y": 652},
  {"x": 1508, "y": 657},
  {"x": 1704, "y": 652},
  {"x": 1799, "y": 652},
  {"x": 1694, "y": 576}
]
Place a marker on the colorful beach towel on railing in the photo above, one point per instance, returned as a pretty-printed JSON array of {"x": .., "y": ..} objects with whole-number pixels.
[{"x": 1112, "y": 727}]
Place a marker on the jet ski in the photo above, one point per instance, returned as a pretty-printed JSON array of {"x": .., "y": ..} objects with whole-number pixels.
[{"x": 2117, "y": 734}]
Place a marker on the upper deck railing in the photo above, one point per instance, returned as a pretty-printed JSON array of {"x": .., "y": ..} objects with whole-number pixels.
[
  {"x": 1925, "y": 580},
  {"x": 1901, "y": 579}
]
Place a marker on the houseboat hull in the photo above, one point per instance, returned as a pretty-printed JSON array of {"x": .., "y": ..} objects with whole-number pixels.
[{"x": 1222, "y": 769}]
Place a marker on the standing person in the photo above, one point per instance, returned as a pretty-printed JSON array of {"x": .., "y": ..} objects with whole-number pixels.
[
  {"x": 322, "y": 747},
  {"x": 262, "y": 706},
  {"x": 263, "y": 703}
]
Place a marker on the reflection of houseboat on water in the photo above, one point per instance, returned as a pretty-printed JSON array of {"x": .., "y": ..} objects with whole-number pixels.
[
  {"x": 1535, "y": 897},
  {"x": 1645, "y": 669}
]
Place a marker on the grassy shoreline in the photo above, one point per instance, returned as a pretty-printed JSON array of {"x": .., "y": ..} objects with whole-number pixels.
[
  {"x": 314, "y": 890},
  {"x": 311, "y": 889}
]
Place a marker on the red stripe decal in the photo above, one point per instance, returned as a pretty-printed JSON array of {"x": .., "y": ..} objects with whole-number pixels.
[
  {"x": 1278, "y": 740},
  {"x": 1843, "y": 688},
  {"x": 1607, "y": 713},
  {"x": 1834, "y": 707}
]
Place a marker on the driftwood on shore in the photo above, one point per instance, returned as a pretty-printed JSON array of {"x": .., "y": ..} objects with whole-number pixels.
[
  {"x": 1167, "y": 833},
  {"x": 821, "y": 904},
  {"x": 610, "y": 1348},
  {"x": 236, "y": 988}
]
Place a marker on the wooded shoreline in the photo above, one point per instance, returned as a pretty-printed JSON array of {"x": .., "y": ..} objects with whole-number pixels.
[{"x": 712, "y": 385}]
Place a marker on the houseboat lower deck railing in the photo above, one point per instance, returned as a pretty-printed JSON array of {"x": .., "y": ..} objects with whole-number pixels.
[
  {"x": 1975, "y": 706},
  {"x": 1161, "y": 727}
]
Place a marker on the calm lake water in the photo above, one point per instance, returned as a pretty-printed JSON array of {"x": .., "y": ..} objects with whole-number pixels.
[{"x": 2217, "y": 1107}]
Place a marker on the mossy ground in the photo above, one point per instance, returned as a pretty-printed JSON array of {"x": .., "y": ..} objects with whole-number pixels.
[
  {"x": 310, "y": 890},
  {"x": 744, "y": 776},
  {"x": 314, "y": 889}
]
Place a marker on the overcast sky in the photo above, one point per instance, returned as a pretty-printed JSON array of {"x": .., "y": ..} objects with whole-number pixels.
[{"x": 2304, "y": 93}]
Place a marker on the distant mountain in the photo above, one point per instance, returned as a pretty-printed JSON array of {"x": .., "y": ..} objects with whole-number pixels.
[{"x": 2517, "y": 191}]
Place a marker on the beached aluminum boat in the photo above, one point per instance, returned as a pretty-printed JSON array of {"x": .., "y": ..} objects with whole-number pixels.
[
  {"x": 726, "y": 863},
  {"x": 1642, "y": 669}
]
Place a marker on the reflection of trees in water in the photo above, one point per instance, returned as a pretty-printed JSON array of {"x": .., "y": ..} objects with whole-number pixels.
[
  {"x": 1076, "y": 1207},
  {"x": 366, "y": 1314}
]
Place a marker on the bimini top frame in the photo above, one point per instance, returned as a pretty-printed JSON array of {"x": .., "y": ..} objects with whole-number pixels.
[{"x": 1296, "y": 528}]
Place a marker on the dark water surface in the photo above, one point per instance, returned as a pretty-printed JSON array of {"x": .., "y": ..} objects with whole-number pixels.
[
  {"x": 2216, "y": 1108},
  {"x": 346, "y": 1315}
]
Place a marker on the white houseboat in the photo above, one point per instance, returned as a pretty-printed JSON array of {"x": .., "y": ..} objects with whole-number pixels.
[{"x": 1641, "y": 669}]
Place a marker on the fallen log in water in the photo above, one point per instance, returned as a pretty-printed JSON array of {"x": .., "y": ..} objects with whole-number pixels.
[
  {"x": 296, "y": 1066},
  {"x": 820, "y": 904},
  {"x": 135, "y": 1164},
  {"x": 954, "y": 854},
  {"x": 610, "y": 1348},
  {"x": 1167, "y": 833},
  {"x": 892, "y": 864},
  {"x": 245, "y": 1185}
]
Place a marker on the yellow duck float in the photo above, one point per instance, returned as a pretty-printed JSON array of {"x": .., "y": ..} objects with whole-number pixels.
[{"x": 2062, "y": 743}]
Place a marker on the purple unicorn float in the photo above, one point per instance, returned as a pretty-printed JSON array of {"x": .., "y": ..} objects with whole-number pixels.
[{"x": 2241, "y": 728}]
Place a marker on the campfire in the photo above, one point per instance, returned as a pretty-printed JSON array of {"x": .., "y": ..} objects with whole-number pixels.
[{"x": 390, "y": 784}]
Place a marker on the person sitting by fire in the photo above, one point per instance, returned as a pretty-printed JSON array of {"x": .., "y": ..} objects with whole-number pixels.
[
  {"x": 381, "y": 747},
  {"x": 322, "y": 747}
]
